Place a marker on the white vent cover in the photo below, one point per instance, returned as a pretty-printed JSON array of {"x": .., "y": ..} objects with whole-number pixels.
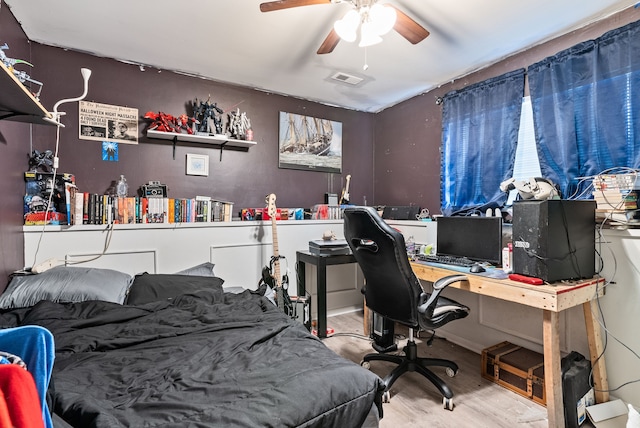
[{"x": 347, "y": 78}]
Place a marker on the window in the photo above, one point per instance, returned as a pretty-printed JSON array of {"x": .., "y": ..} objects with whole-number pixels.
[{"x": 527, "y": 164}]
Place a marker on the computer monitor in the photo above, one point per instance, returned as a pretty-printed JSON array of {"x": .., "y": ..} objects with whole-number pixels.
[{"x": 477, "y": 238}]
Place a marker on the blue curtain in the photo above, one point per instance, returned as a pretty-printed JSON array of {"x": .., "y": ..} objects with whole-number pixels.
[
  {"x": 479, "y": 135},
  {"x": 586, "y": 106}
]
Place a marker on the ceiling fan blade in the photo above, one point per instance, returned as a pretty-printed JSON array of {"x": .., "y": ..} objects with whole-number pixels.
[
  {"x": 408, "y": 28},
  {"x": 329, "y": 43},
  {"x": 287, "y": 4}
]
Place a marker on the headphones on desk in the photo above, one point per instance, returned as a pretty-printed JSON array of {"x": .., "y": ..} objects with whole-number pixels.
[{"x": 537, "y": 188}]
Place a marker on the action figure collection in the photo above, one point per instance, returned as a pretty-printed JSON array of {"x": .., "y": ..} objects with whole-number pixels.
[{"x": 207, "y": 119}]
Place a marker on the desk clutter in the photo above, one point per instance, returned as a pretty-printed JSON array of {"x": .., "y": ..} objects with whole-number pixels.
[
  {"x": 616, "y": 196},
  {"x": 521, "y": 370},
  {"x": 331, "y": 247},
  {"x": 548, "y": 241}
]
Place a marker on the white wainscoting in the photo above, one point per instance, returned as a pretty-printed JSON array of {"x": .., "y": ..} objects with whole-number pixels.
[{"x": 240, "y": 249}]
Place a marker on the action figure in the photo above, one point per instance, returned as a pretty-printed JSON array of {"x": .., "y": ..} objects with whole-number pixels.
[
  {"x": 167, "y": 123},
  {"x": 42, "y": 161},
  {"x": 20, "y": 75},
  {"x": 207, "y": 114},
  {"x": 238, "y": 125}
]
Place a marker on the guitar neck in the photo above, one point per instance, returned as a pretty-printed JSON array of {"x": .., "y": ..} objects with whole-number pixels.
[
  {"x": 345, "y": 192},
  {"x": 276, "y": 254}
]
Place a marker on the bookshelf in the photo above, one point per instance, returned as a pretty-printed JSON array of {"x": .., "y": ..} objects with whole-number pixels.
[{"x": 17, "y": 103}]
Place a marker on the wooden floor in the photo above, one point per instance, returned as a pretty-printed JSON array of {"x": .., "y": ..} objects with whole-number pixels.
[{"x": 415, "y": 402}]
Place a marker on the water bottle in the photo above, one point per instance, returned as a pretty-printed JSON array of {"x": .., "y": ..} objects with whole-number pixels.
[{"x": 122, "y": 188}]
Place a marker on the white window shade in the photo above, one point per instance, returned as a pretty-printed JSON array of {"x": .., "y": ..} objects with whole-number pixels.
[{"x": 527, "y": 164}]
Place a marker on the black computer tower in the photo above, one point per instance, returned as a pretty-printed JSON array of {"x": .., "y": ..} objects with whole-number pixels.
[
  {"x": 555, "y": 239},
  {"x": 382, "y": 333},
  {"x": 577, "y": 392}
]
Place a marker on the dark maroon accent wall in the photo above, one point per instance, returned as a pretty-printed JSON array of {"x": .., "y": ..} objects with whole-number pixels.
[
  {"x": 408, "y": 135},
  {"x": 244, "y": 177},
  {"x": 14, "y": 143}
]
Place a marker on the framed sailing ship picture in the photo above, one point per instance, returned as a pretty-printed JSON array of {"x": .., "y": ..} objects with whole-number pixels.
[{"x": 309, "y": 143}]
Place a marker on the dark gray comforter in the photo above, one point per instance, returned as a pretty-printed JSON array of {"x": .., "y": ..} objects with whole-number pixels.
[{"x": 205, "y": 359}]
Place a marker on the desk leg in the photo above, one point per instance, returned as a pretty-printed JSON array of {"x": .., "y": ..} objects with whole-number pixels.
[
  {"x": 552, "y": 371},
  {"x": 302, "y": 279},
  {"x": 321, "y": 287},
  {"x": 594, "y": 336}
]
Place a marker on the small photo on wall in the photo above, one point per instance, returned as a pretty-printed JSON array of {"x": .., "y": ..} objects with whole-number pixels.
[
  {"x": 197, "y": 164},
  {"x": 109, "y": 151}
]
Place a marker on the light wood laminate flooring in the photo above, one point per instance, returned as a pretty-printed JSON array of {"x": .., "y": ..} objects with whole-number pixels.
[{"x": 415, "y": 402}]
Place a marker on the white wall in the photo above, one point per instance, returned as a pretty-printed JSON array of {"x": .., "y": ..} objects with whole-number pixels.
[
  {"x": 240, "y": 249},
  {"x": 621, "y": 309}
]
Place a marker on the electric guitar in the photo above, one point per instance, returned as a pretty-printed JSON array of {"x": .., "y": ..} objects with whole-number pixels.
[
  {"x": 271, "y": 273},
  {"x": 344, "y": 199}
]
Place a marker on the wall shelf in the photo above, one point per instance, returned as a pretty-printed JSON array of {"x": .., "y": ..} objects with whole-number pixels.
[
  {"x": 220, "y": 141},
  {"x": 17, "y": 103}
]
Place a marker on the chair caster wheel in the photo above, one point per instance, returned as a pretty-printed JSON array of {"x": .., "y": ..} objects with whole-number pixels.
[
  {"x": 448, "y": 403},
  {"x": 451, "y": 372},
  {"x": 386, "y": 397},
  {"x": 366, "y": 364}
]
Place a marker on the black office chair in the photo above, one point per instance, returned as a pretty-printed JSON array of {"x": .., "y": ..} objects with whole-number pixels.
[{"x": 393, "y": 291}]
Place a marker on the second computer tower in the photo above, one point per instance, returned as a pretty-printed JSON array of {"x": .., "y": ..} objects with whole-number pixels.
[{"x": 555, "y": 239}]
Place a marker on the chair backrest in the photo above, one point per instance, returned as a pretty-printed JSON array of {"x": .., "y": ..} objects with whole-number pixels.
[{"x": 391, "y": 289}]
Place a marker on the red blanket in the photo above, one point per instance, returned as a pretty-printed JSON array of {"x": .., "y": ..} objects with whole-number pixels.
[{"x": 19, "y": 401}]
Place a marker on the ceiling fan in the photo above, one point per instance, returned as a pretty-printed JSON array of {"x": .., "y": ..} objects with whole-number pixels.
[{"x": 363, "y": 13}]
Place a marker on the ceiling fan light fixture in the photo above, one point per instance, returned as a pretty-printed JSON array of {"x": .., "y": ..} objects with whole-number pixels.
[
  {"x": 347, "y": 27},
  {"x": 368, "y": 35},
  {"x": 383, "y": 18}
]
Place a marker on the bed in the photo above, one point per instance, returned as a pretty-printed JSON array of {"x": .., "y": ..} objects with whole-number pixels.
[{"x": 178, "y": 350}]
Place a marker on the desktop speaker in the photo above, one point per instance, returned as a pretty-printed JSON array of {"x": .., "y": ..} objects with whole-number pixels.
[{"x": 554, "y": 239}]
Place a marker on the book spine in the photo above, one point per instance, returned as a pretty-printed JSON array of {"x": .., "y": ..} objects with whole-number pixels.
[
  {"x": 85, "y": 208},
  {"x": 78, "y": 208},
  {"x": 144, "y": 210}
]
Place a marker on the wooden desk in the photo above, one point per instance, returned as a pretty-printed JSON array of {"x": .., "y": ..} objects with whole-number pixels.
[
  {"x": 321, "y": 262},
  {"x": 552, "y": 299}
]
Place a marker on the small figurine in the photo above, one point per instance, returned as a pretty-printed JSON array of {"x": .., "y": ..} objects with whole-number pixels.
[
  {"x": 238, "y": 125},
  {"x": 21, "y": 75},
  {"x": 167, "y": 123},
  {"x": 208, "y": 116},
  {"x": 41, "y": 160}
]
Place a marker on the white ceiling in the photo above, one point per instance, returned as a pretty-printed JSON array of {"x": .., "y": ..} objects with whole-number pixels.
[{"x": 232, "y": 41}]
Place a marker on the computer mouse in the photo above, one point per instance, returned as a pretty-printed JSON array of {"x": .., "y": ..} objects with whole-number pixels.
[{"x": 476, "y": 269}]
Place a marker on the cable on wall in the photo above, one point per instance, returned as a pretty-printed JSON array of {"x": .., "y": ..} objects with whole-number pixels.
[{"x": 55, "y": 119}]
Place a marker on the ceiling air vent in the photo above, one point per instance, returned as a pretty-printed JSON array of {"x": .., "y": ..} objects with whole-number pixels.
[{"x": 347, "y": 78}]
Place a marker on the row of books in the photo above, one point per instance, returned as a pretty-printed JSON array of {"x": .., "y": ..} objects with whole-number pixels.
[
  {"x": 57, "y": 200},
  {"x": 91, "y": 208}
]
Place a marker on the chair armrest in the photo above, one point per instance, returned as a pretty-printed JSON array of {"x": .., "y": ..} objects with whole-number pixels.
[
  {"x": 442, "y": 283},
  {"x": 445, "y": 281}
]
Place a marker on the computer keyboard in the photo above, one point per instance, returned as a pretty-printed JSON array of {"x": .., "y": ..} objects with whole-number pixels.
[{"x": 447, "y": 260}]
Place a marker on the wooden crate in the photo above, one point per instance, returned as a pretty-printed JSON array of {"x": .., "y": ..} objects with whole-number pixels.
[{"x": 516, "y": 368}]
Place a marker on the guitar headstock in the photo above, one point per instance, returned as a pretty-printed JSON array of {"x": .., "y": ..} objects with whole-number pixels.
[{"x": 271, "y": 204}]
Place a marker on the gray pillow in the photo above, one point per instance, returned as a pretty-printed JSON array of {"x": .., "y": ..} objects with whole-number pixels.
[
  {"x": 203, "y": 269},
  {"x": 66, "y": 284}
]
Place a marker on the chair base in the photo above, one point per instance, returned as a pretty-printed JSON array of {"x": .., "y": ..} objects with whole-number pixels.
[{"x": 410, "y": 362}]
